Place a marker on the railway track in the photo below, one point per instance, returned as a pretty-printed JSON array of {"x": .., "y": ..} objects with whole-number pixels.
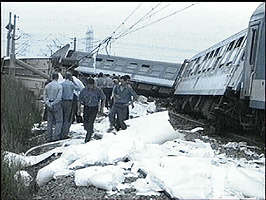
[{"x": 185, "y": 122}]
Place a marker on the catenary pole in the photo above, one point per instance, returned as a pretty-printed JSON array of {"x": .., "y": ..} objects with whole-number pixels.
[
  {"x": 8, "y": 36},
  {"x": 12, "y": 56}
]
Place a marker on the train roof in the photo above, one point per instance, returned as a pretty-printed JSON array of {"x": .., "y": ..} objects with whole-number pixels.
[
  {"x": 80, "y": 54},
  {"x": 27, "y": 57},
  {"x": 259, "y": 12},
  {"x": 222, "y": 43}
]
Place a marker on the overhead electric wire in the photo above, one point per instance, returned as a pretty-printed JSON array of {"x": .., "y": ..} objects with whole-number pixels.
[
  {"x": 107, "y": 39},
  {"x": 145, "y": 17},
  {"x": 127, "y": 18},
  {"x": 138, "y": 21},
  {"x": 144, "y": 26},
  {"x": 159, "y": 10}
]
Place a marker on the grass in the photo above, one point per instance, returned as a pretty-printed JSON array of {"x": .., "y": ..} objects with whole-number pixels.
[{"x": 18, "y": 114}]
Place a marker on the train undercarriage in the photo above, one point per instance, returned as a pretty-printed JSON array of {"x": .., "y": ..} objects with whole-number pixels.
[
  {"x": 152, "y": 90},
  {"x": 222, "y": 113}
]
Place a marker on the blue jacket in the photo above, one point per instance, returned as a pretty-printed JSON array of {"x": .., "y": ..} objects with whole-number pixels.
[
  {"x": 68, "y": 89},
  {"x": 123, "y": 94},
  {"x": 91, "y": 96}
]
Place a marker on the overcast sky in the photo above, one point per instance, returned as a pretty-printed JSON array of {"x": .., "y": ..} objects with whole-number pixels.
[{"x": 172, "y": 39}]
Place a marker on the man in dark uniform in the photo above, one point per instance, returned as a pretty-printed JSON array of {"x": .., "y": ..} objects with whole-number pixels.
[
  {"x": 90, "y": 97},
  {"x": 122, "y": 95}
]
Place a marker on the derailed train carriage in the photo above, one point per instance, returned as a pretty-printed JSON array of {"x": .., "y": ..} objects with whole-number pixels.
[
  {"x": 148, "y": 77},
  {"x": 225, "y": 83}
]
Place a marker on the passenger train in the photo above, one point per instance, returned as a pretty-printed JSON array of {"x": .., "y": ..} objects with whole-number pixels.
[
  {"x": 226, "y": 82},
  {"x": 148, "y": 77}
]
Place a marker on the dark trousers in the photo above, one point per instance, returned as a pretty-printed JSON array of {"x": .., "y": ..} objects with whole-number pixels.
[
  {"x": 121, "y": 111},
  {"x": 127, "y": 113},
  {"x": 108, "y": 94},
  {"x": 75, "y": 108},
  {"x": 89, "y": 116},
  {"x": 55, "y": 116},
  {"x": 67, "y": 117}
]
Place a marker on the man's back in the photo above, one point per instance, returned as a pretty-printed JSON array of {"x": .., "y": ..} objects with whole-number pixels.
[
  {"x": 53, "y": 91},
  {"x": 68, "y": 90}
]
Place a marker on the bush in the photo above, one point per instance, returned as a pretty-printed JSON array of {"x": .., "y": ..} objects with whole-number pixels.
[
  {"x": 12, "y": 189},
  {"x": 18, "y": 115}
]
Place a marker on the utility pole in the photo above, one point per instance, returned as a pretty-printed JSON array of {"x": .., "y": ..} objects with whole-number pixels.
[
  {"x": 12, "y": 66},
  {"x": 9, "y": 27},
  {"x": 75, "y": 40}
]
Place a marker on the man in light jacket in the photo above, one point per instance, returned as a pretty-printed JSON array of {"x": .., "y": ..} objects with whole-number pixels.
[
  {"x": 69, "y": 87},
  {"x": 53, "y": 101}
]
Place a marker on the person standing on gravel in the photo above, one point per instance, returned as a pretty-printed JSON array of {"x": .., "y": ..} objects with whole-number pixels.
[
  {"x": 69, "y": 86},
  {"x": 76, "y": 103},
  {"x": 91, "y": 96},
  {"x": 53, "y": 101},
  {"x": 122, "y": 95},
  {"x": 108, "y": 90}
]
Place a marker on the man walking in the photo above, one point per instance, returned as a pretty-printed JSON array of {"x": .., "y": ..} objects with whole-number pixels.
[
  {"x": 108, "y": 90},
  {"x": 68, "y": 87},
  {"x": 53, "y": 100},
  {"x": 91, "y": 96},
  {"x": 122, "y": 97}
]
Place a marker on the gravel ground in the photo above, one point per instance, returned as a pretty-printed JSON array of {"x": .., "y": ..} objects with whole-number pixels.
[{"x": 64, "y": 187}]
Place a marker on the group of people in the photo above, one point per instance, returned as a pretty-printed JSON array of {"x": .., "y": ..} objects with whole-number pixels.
[{"x": 62, "y": 100}]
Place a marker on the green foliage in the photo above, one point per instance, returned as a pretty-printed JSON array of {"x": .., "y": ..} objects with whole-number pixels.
[
  {"x": 18, "y": 115},
  {"x": 12, "y": 189}
]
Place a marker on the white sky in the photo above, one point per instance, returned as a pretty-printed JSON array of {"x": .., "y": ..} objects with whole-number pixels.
[{"x": 173, "y": 39}]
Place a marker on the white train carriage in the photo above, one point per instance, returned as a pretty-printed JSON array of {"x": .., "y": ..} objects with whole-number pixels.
[
  {"x": 254, "y": 70},
  {"x": 212, "y": 71},
  {"x": 226, "y": 82}
]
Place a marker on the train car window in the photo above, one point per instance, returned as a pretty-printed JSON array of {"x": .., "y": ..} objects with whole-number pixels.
[
  {"x": 99, "y": 59},
  {"x": 243, "y": 55},
  {"x": 253, "y": 45},
  {"x": 230, "y": 46},
  {"x": 190, "y": 68},
  {"x": 206, "y": 56},
  {"x": 224, "y": 54},
  {"x": 134, "y": 63},
  {"x": 193, "y": 66},
  {"x": 198, "y": 59},
  {"x": 239, "y": 41},
  {"x": 228, "y": 63},
  {"x": 216, "y": 62},
  {"x": 217, "y": 51},
  {"x": 241, "y": 52},
  {"x": 211, "y": 54},
  {"x": 147, "y": 66},
  {"x": 109, "y": 60}
]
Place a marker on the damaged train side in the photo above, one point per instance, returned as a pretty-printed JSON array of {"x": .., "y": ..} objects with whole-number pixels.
[
  {"x": 225, "y": 83},
  {"x": 151, "y": 78}
]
